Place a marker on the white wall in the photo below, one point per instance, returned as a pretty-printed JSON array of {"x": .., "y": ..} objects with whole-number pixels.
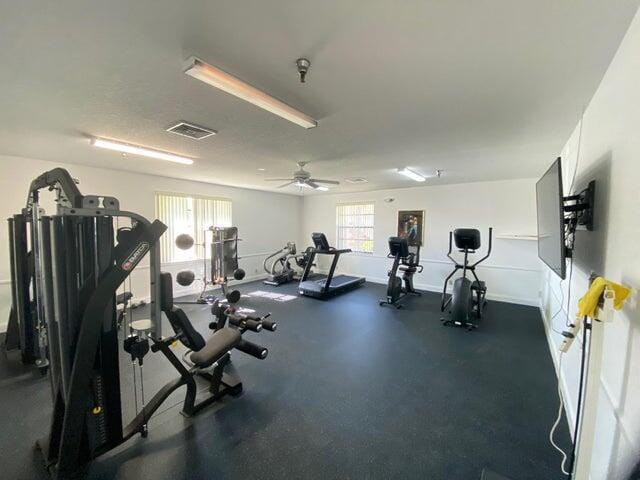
[
  {"x": 609, "y": 152},
  {"x": 512, "y": 271},
  {"x": 266, "y": 221}
]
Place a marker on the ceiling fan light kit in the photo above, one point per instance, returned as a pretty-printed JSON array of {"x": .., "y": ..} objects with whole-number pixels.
[{"x": 302, "y": 178}]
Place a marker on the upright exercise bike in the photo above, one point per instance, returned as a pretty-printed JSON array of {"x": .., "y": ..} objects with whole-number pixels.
[
  {"x": 406, "y": 258},
  {"x": 468, "y": 298}
]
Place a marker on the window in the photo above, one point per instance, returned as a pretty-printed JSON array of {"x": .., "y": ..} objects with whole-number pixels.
[
  {"x": 192, "y": 215},
  {"x": 354, "y": 225}
]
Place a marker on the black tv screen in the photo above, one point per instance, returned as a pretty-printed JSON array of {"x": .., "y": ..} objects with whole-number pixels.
[{"x": 549, "y": 200}]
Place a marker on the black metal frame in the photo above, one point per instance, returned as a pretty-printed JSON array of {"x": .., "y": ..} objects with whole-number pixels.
[
  {"x": 21, "y": 329},
  {"x": 480, "y": 298},
  {"x": 65, "y": 270},
  {"x": 336, "y": 256},
  {"x": 83, "y": 334},
  {"x": 308, "y": 288},
  {"x": 78, "y": 264},
  {"x": 396, "y": 293},
  {"x": 577, "y": 210}
]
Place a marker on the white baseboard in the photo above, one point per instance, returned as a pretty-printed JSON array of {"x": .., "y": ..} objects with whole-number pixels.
[{"x": 532, "y": 302}]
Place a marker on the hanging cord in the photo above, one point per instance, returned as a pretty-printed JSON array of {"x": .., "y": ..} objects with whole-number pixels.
[
  {"x": 558, "y": 418},
  {"x": 129, "y": 317},
  {"x": 560, "y": 308},
  {"x": 128, "y": 330},
  {"x": 583, "y": 360},
  {"x": 586, "y": 344}
]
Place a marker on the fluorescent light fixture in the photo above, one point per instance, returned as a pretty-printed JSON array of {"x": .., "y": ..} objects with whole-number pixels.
[
  {"x": 411, "y": 174},
  {"x": 226, "y": 82},
  {"x": 135, "y": 150},
  {"x": 322, "y": 189}
]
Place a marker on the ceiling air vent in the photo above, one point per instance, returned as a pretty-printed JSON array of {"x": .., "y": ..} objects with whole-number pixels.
[
  {"x": 356, "y": 180},
  {"x": 190, "y": 130}
]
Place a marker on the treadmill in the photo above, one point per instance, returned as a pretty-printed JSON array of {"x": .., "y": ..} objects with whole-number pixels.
[{"x": 329, "y": 286}]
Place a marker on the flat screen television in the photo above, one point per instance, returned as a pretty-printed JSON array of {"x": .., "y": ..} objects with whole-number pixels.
[{"x": 550, "y": 212}]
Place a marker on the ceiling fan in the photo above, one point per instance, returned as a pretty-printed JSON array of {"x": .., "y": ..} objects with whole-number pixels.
[{"x": 302, "y": 178}]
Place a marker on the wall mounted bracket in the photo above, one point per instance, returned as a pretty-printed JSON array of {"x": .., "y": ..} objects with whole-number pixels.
[{"x": 578, "y": 210}]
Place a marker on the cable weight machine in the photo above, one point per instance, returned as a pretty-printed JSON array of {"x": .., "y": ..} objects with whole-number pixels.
[{"x": 223, "y": 263}]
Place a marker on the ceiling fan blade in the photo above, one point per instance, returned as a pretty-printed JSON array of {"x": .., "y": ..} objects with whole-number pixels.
[
  {"x": 284, "y": 185},
  {"x": 318, "y": 180},
  {"x": 277, "y": 179},
  {"x": 312, "y": 184}
]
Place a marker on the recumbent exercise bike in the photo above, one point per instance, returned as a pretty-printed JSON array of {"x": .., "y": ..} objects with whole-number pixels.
[
  {"x": 406, "y": 258},
  {"x": 467, "y": 298}
]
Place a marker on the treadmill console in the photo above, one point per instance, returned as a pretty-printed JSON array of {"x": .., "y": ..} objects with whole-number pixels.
[{"x": 320, "y": 241}]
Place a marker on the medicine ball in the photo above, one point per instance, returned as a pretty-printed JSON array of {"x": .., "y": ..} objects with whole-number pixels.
[
  {"x": 233, "y": 297},
  {"x": 184, "y": 241},
  {"x": 185, "y": 277}
]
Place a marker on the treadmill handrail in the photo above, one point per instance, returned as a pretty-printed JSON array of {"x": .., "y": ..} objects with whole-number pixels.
[{"x": 333, "y": 251}]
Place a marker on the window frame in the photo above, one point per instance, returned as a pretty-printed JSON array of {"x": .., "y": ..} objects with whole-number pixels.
[{"x": 340, "y": 239}]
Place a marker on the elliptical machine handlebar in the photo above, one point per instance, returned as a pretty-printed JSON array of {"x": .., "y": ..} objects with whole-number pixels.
[
  {"x": 451, "y": 247},
  {"x": 488, "y": 250},
  {"x": 480, "y": 260}
]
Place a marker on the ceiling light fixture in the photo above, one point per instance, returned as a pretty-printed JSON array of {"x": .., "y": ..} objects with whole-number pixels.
[
  {"x": 226, "y": 82},
  {"x": 136, "y": 150},
  {"x": 411, "y": 174},
  {"x": 322, "y": 189}
]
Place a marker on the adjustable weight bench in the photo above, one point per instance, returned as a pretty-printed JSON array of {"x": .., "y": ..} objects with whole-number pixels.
[{"x": 206, "y": 359}]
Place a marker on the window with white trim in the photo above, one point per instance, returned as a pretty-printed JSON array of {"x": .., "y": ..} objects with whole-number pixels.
[
  {"x": 192, "y": 215},
  {"x": 354, "y": 227}
]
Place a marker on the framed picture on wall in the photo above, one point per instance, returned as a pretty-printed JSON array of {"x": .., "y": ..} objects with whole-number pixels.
[{"x": 411, "y": 226}]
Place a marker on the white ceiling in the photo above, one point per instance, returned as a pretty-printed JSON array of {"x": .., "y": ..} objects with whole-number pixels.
[{"x": 486, "y": 89}]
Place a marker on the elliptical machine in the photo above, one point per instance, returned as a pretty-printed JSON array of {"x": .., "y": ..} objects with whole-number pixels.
[
  {"x": 280, "y": 269},
  {"x": 406, "y": 258},
  {"x": 468, "y": 298}
]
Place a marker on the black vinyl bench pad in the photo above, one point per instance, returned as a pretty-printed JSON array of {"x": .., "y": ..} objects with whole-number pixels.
[{"x": 216, "y": 346}]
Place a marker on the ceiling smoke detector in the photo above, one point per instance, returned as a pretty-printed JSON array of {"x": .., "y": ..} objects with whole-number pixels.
[
  {"x": 190, "y": 130},
  {"x": 356, "y": 180}
]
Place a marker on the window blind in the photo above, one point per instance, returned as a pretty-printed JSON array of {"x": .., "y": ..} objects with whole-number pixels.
[
  {"x": 355, "y": 227},
  {"x": 192, "y": 215}
]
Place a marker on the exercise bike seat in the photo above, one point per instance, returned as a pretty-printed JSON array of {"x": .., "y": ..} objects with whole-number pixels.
[
  {"x": 482, "y": 286},
  {"x": 216, "y": 346}
]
